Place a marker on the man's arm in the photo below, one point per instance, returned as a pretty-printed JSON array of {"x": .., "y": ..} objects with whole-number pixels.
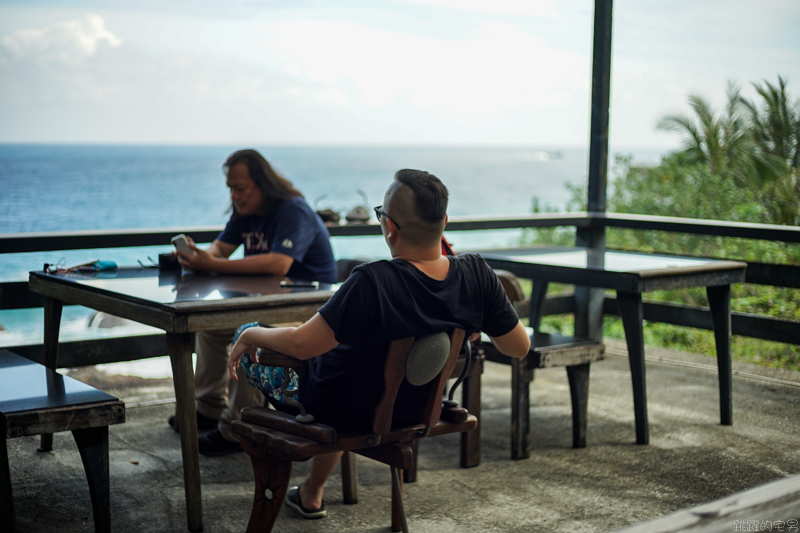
[
  {"x": 219, "y": 248},
  {"x": 215, "y": 259},
  {"x": 313, "y": 338},
  {"x": 515, "y": 343}
]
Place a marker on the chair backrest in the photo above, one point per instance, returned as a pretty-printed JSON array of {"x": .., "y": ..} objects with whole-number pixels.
[
  {"x": 421, "y": 360},
  {"x": 511, "y": 285},
  {"x": 345, "y": 266}
]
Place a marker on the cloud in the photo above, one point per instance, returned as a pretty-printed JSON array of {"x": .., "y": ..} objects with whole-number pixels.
[
  {"x": 309, "y": 80},
  {"x": 67, "y": 43},
  {"x": 497, "y": 68}
]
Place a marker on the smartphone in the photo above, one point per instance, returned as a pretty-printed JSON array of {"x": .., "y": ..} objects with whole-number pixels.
[
  {"x": 300, "y": 284},
  {"x": 182, "y": 244}
]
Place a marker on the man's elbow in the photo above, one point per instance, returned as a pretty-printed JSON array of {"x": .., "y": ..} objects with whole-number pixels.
[
  {"x": 302, "y": 348},
  {"x": 518, "y": 349},
  {"x": 279, "y": 264},
  {"x": 279, "y": 270},
  {"x": 515, "y": 343}
]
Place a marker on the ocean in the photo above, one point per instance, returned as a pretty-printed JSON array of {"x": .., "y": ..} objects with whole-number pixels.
[{"x": 81, "y": 187}]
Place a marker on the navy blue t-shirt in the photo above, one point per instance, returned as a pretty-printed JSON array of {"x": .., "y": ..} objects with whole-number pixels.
[
  {"x": 295, "y": 230},
  {"x": 390, "y": 300}
]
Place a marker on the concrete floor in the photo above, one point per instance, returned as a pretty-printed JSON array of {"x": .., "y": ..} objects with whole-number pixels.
[{"x": 610, "y": 484}]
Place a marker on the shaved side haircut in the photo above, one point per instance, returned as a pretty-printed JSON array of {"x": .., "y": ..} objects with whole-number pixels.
[
  {"x": 424, "y": 219},
  {"x": 430, "y": 194}
]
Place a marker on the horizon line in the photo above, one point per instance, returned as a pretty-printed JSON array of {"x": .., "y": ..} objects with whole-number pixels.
[{"x": 533, "y": 146}]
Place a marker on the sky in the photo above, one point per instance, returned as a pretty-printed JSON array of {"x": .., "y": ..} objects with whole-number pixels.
[{"x": 373, "y": 72}]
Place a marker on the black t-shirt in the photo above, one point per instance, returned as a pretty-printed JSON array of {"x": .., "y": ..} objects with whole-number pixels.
[{"x": 389, "y": 300}]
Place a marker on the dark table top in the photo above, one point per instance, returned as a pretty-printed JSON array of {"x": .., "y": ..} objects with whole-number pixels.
[
  {"x": 614, "y": 269},
  {"x": 25, "y": 385},
  {"x": 176, "y": 290}
]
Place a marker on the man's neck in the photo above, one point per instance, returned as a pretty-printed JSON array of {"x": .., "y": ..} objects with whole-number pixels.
[{"x": 429, "y": 261}]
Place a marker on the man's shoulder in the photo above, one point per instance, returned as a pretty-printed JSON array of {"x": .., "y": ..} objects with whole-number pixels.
[
  {"x": 377, "y": 268},
  {"x": 295, "y": 203},
  {"x": 244, "y": 221},
  {"x": 469, "y": 257},
  {"x": 471, "y": 261},
  {"x": 398, "y": 267},
  {"x": 385, "y": 273}
]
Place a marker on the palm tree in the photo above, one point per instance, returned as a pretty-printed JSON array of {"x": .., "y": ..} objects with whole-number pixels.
[
  {"x": 776, "y": 127},
  {"x": 721, "y": 142},
  {"x": 775, "y": 130},
  {"x": 758, "y": 146}
]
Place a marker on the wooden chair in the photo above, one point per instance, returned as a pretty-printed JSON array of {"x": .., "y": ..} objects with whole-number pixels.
[
  {"x": 467, "y": 373},
  {"x": 547, "y": 350},
  {"x": 275, "y": 439}
]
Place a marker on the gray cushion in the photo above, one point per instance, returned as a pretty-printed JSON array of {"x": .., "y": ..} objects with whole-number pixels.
[{"x": 427, "y": 358}]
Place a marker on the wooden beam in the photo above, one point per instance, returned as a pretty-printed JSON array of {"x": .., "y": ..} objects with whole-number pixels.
[{"x": 99, "y": 351}]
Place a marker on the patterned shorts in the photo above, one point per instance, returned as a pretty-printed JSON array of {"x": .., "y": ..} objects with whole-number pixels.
[{"x": 267, "y": 379}]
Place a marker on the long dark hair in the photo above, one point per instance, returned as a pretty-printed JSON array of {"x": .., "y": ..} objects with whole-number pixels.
[{"x": 274, "y": 187}]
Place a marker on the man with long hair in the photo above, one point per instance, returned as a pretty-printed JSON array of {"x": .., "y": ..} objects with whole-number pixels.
[{"x": 282, "y": 236}]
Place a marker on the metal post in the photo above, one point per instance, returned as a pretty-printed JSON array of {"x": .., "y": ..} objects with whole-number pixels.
[{"x": 589, "y": 302}]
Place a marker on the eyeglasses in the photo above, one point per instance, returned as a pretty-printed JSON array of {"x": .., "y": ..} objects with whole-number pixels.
[{"x": 379, "y": 213}]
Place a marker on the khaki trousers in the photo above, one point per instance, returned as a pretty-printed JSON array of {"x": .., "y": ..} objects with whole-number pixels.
[{"x": 217, "y": 395}]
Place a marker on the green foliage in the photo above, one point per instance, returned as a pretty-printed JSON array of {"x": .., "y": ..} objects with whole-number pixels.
[
  {"x": 562, "y": 236},
  {"x": 739, "y": 166},
  {"x": 719, "y": 142},
  {"x": 775, "y": 133},
  {"x": 766, "y": 353},
  {"x": 755, "y": 145},
  {"x": 680, "y": 188}
]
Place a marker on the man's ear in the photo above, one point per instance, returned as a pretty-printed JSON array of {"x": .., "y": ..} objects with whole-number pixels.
[{"x": 391, "y": 228}]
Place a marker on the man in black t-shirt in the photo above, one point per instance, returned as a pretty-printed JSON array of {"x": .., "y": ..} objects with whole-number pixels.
[{"x": 418, "y": 292}]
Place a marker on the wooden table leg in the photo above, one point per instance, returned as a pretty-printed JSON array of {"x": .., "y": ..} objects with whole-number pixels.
[
  {"x": 521, "y": 377},
  {"x": 520, "y": 407},
  {"x": 52, "y": 325},
  {"x": 180, "y": 347},
  {"x": 630, "y": 307},
  {"x": 719, "y": 300},
  {"x": 578, "y": 376},
  {"x": 538, "y": 294}
]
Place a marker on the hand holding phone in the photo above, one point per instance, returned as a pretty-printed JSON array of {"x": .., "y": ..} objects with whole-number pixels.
[{"x": 182, "y": 244}]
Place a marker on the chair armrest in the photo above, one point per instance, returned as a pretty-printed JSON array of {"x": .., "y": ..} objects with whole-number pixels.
[
  {"x": 272, "y": 358},
  {"x": 269, "y": 357}
]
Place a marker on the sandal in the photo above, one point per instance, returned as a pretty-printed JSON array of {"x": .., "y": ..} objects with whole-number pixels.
[{"x": 293, "y": 501}]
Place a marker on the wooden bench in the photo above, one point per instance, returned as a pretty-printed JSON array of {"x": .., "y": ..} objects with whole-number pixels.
[
  {"x": 547, "y": 350},
  {"x": 35, "y": 400}
]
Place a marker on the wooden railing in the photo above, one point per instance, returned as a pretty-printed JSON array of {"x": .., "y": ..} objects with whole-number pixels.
[{"x": 15, "y": 295}]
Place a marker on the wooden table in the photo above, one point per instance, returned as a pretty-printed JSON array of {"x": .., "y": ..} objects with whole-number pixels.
[
  {"x": 631, "y": 274},
  {"x": 179, "y": 304}
]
